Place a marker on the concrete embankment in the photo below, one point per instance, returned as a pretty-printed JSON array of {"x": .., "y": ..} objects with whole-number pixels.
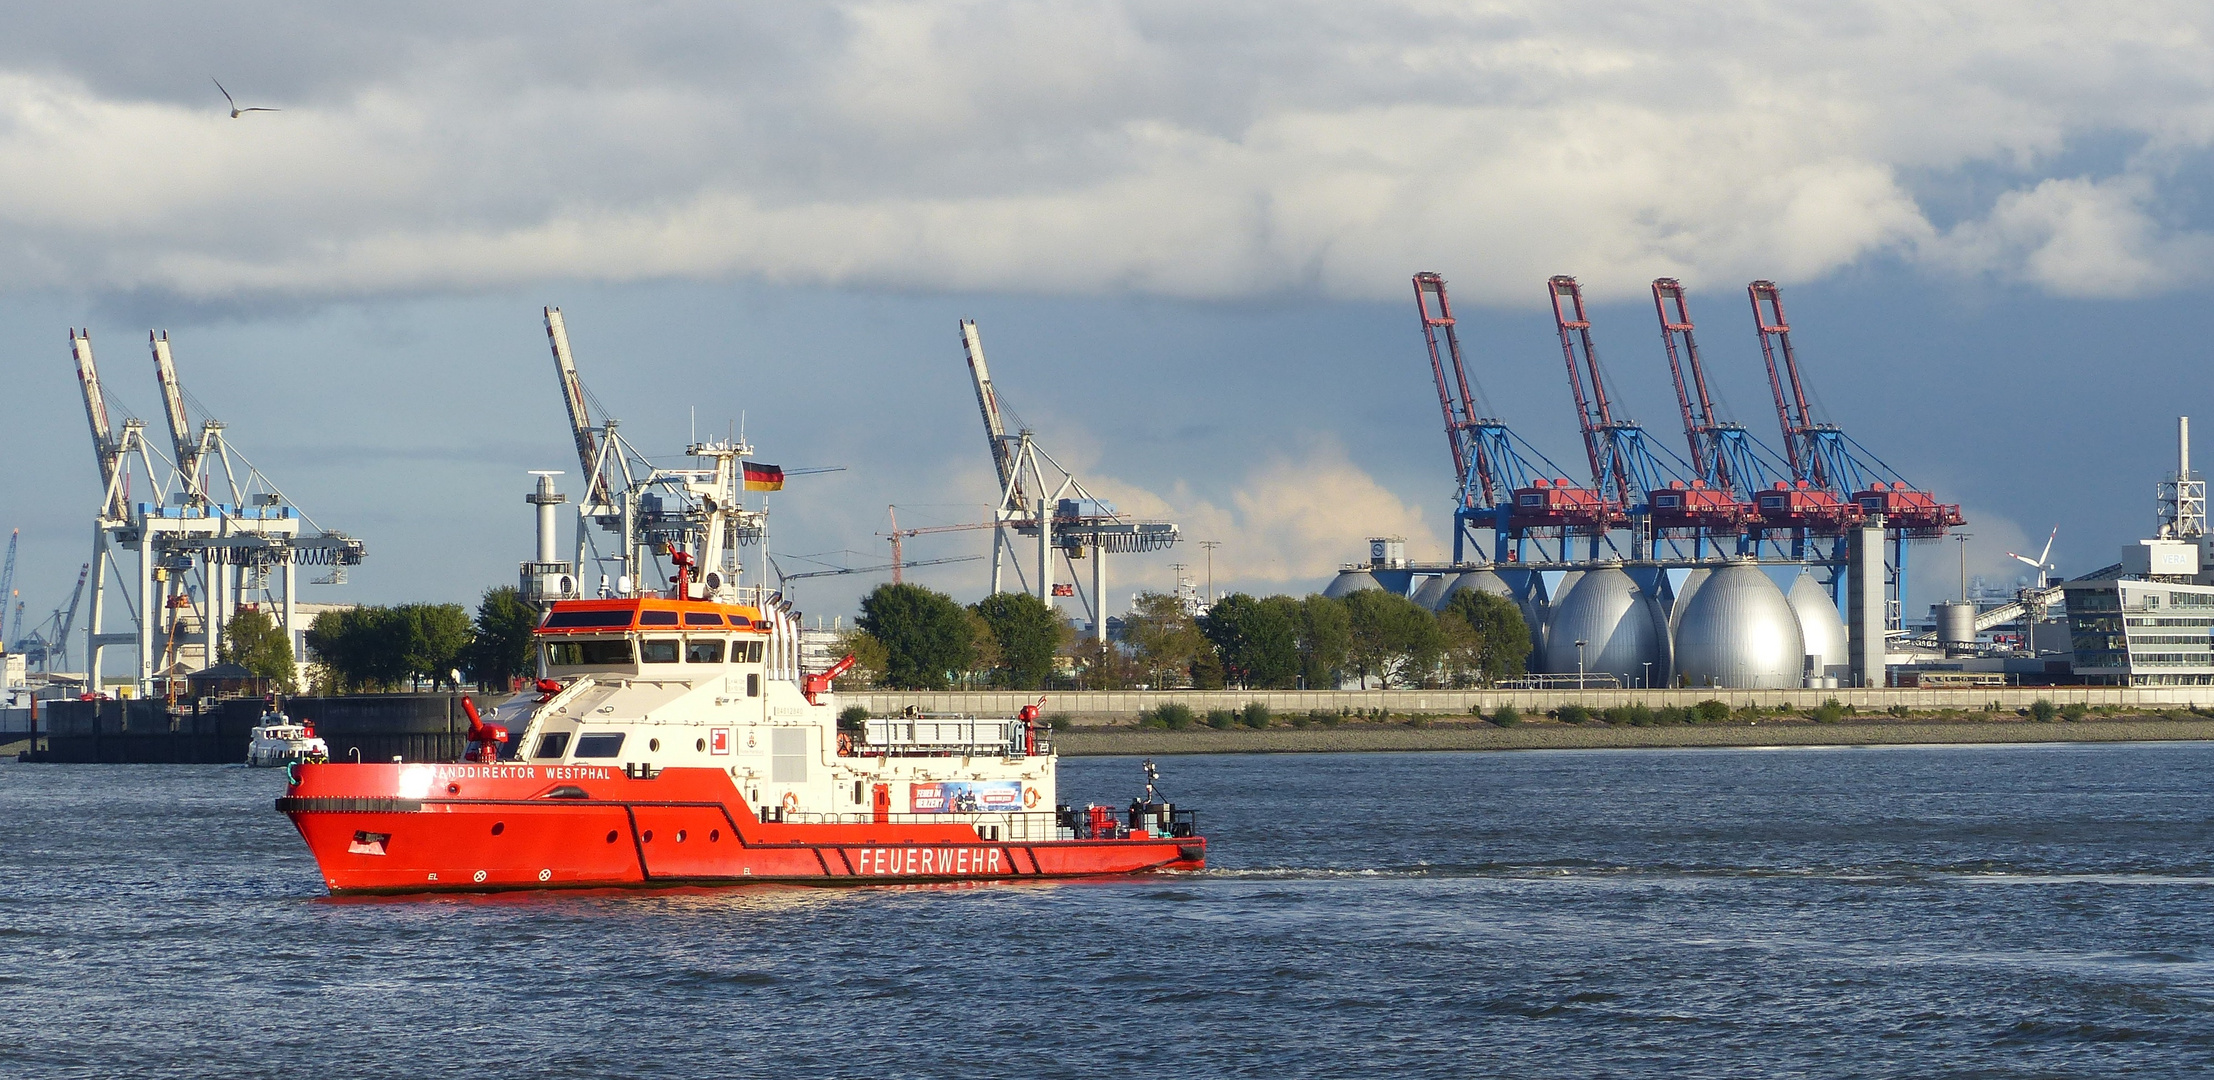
[
  {"x": 1348, "y": 738},
  {"x": 1122, "y": 706}
]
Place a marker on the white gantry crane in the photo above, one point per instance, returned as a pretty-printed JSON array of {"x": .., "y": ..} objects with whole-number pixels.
[
  {"x": 1040, "y": 498},
  {"x": 208, "y": 531},
  {"x": 648, "y": 509}
]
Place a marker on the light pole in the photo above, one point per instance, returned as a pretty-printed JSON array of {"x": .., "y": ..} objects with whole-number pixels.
[
  {"x": 1647, "y": 682},
  {"x": 1580, "y": 663},
  {"x": 1210, "y": 546}
]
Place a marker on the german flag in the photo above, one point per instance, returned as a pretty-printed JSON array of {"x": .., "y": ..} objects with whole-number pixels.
[{"x": 761, "y": 477}]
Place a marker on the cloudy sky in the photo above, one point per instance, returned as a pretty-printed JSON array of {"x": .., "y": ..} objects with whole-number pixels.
[{"x": 1186, "y": 231}]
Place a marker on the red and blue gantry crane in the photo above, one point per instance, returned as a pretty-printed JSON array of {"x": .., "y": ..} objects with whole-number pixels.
[
  {"x": 1834, "y": 477},
  {"x": 1503, "y": 486}
]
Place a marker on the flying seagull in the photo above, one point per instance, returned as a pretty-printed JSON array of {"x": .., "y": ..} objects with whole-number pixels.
[{"x": 235, "y": 110}]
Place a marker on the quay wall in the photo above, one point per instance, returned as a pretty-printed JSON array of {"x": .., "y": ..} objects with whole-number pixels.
[{"x": 1113, "y": 706}]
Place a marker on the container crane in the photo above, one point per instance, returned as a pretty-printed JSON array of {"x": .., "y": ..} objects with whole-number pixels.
[
  {"x": 7, "y": 589},
  {"x": 1500, "y": 484},
  {"x": 1626, "y": 467},
  {"x": 1836, "y": 480},
  {"x": 1731, "y": 466},
  {"x": 1039, "y": 497}
]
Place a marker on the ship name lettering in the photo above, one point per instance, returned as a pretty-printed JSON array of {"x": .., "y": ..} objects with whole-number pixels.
[{"x": 919, "y": 860}]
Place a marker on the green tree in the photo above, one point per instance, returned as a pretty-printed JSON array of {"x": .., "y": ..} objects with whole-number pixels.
[
  {"x": 341, "y": 641},
  {"x": 1164, "y": 637},
  {"x": 255, "y": 642},
  {"x": 503, "y": 642},
  {"x": 1502, "y": 638},
  {"x": 437, "y": 639},
  {"x": 927, "y": 638},
  {"x": 1325, "y": 639},
  {"x": 1393, "y": 638},
  {"x": 1028, "y": 635},
  {"x": 869, "y": 660},
  {"x": 1257, "y": 641}
]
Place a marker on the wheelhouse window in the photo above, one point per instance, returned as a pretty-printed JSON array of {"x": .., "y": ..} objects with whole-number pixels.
[
  {"x": 745, "y": 652},
  {"x": 703, "y": 652},
  {"x": 657, "y": 618},
  {"x": 588, "y": 653},
  {"x": 604, "y": 744},
  {"x": 658, "y": 650},
  {"x": 551, "y": 746},
  {"x": 702, "y": 618}
]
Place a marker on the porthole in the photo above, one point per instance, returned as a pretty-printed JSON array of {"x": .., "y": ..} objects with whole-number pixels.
[
  {"x": 610, "y": 836},
  {"x": 654, "y": 745},
  {"x": 700, "y": 745},
  {"x": 649, "y": 836},
  {"x": 680, "y": 836},
  {"x": 714, "y": 835},
  {"x": 499, "y": 827}
]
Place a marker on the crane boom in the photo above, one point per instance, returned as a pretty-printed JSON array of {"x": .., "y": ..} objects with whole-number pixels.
[
  {"x": 1691, "y": 395},
  {"x": 105, "y": 450},
  {"x": 61, "y": 640},
  {"x": 7, "y": 589},
  {"x": 1791, "y": 407},
  {"x": 172, "y": 404},
  {"x": 1594, "y": 415},
  {"x": 987, "y": 403},
  {"x": 1460, "y": 414},
  {"x": 580, "y": 417}
]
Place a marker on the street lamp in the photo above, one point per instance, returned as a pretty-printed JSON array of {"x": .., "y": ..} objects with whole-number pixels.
[
  {"x": 1647, "y": 682},
  {"x": 1580, "y": 643}
]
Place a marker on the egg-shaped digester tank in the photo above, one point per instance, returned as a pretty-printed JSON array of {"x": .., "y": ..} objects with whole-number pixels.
[
  {"x": 1821, "y": 628},
  {"x": 1739, "y": 631},
  {"x": 1349, "y": 582},
  {"x": 1618, "y": 623},
  {"x": 1684, "y": 593},
  {"x": 1431, "y": 593}
]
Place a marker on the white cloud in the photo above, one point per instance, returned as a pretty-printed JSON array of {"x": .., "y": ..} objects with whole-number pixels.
[
  {"x": 1289, "y": 526},
  {"x": 1220, "y": 150}
]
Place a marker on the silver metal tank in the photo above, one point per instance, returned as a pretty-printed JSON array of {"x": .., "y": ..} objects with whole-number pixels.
[
  {"x": 1821, "y": 628},
  {"x": 1431, "y": 593},
  {"x": 1738, "y": 631},
  {"x": 1956, "y": 626},
  {"x": 1350, "y": 581},
  {"x": 1618, "y": 622},
  {"x": 1684, "y": 593}
]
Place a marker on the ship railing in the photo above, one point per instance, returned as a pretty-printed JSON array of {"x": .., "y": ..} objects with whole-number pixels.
[
  {"x": 1021, "y": 825},
  {"x": 1076, "y": 823}
]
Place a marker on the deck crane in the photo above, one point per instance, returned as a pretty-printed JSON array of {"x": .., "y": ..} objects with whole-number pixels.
[
  {"x": 1834, "y": 478},
  {"x": 1653, "y": 496},
  {"x": 1502, "y": 484},
  {"x": 1039, "y": 497}
]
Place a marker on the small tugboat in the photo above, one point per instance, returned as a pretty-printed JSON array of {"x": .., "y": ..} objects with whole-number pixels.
[
  {"x": 278, "y": 740},
  {"x": 676, "y": 742}
]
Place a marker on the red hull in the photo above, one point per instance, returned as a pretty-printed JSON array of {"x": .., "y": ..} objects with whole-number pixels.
[{"x": 476, "y": 828}]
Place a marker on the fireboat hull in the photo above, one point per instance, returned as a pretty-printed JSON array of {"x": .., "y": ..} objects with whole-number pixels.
[{"x": 416, "y": 828}]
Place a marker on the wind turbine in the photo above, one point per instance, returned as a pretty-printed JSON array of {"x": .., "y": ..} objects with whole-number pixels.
[{"x": 2039, "y": 563}]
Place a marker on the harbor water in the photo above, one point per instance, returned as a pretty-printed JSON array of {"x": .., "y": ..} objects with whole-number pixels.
[{"x": 1911, "y": 911}]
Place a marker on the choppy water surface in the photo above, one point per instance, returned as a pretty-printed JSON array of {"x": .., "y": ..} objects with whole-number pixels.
[{"x": 2009, "y": 911}]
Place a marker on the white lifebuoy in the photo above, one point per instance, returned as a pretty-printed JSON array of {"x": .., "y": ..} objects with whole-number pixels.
[
  {"x": 1029, "y": 797},
  {"x": 791, "y": 801}
]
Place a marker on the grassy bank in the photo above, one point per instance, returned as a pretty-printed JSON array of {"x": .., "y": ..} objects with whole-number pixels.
[{"x": 1553, "y": 735}]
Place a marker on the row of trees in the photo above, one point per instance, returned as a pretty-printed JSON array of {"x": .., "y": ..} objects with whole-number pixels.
[
  {"x": 405, "y": 646},
  {"x": 912, "y": 637}
]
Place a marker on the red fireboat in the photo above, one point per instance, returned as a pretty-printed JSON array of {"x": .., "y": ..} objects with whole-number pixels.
[{"x": 676, "y": 742}]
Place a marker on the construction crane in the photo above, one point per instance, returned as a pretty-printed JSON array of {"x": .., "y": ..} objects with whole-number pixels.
[
  {"x": 1655, "y": 497},
  {"x": 898, "y": 534},
  {"x": 1041, "y": 498},
  {"x": 1834, "y": 477},
  {"x": 1500, "y": 485}
]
